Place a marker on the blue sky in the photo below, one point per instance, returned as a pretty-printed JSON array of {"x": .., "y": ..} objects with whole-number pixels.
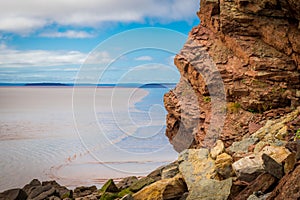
[{"x": 51, "y": 41}]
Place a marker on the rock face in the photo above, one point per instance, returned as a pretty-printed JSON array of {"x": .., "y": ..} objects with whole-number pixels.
[
  {"x": 236, "y": 107},
  {"x": 239, "y": 64},
  {"x": 289, "y": 186}
]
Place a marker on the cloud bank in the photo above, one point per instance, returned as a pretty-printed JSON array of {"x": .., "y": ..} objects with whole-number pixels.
[{"x": 25, "y": 17}]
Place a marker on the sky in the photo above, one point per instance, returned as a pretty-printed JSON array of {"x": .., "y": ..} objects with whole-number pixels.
[{"x": 93, "y": 41}]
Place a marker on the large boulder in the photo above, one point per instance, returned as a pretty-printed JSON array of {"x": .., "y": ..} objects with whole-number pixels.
[
  {"x": 127, "y": 182},
  {"x": 165, "y": 189},
  {"x": 195, "y": 165},
  {"x": 32, "y": 185},
  {"x": 200, "y": 173},
  {"x": 210, "y": 189},
  {"x": 109, "y": 186},
  {"x": 47, "y": 189},
  {"x": 270, "y": 159},
  {"x": 13, "y": 194},
  {"x": 62, "y": 191},
  {"x": 84, "y": 191},
  {"x": 248, "y": 168},
  {"x": 42, "y": 192}
]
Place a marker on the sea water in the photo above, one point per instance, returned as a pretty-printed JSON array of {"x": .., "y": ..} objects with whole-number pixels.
[{"x": 81, "y": 136}]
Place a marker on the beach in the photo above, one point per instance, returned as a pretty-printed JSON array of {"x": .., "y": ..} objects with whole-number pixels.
[{"x": 79, "y": 136}]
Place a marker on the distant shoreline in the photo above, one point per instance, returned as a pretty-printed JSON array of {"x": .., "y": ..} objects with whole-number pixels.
[{"x": 109, "y": 85}]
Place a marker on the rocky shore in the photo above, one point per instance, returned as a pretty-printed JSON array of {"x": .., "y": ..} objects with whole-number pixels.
[
  {"x": 261, "y": 166},
  {"x": 238, "y": 139}
]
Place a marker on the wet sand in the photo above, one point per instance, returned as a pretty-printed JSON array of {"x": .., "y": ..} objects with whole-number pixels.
[{"x": 43, "y": 135}]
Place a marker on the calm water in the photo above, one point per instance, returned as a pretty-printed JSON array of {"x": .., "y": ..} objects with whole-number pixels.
[{"x": 105, "y": 133}]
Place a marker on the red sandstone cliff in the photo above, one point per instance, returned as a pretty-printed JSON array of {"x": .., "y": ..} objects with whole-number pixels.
[{"x": 239, "y": 67}]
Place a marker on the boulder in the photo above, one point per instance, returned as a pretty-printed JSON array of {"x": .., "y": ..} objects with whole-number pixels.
[
  {"x": 210, "y": 189},
  {"x": 33, "y": 184},
  {"x": 278, "y": 153},
  {"x": 170, "y": 170},
  {"x": 199, "y": 172},
  {"x": 109, "y": 186},
  {"x": 156, "y": 174},
  {"x": 195, "y": 165},
  {"x": 248, "y": 168},
  {"x": 141, "y": 183},
  {"x": 126, "y": 182},
  {"x": 42, "y": 192},
  {"x": 242, "y": 146},
  {"x": 272, "y": 167},
  {"x": 83, "y": 191},
  {"x": 165, "y": 189},
  {"x": 217, "y": 149},
  {"x": 224, "y": 165},
  {"x": 61, "y": 191},
  {"x": 275, "y": 159},
  {"x": 13, "y": 194}
]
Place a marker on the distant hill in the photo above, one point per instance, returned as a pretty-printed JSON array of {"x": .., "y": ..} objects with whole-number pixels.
[
  {"x": 46, "y": 84},
  {"x": 125, "y": 85}
]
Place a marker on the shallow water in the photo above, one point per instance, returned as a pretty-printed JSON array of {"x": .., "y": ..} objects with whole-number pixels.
[{"x": 105, "y": 133}]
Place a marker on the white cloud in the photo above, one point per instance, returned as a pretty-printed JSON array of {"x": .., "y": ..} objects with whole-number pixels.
[
  {"x": 21, "y": 25},
  {"x": 144, "y": 58},
  {"x": 68, "y": 34},
  {"x": 24, "y": 17},
  {"x": 30, "y": 58}
]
